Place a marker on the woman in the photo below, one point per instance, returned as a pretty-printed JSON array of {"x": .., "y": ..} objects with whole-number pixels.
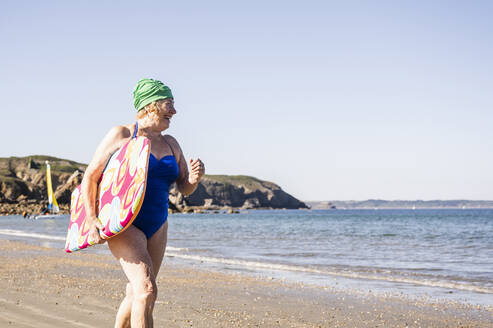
[{"x": 140, "y": 248}]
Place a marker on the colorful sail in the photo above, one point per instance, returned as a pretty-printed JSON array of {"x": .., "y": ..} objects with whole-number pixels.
[{"x": 52, "y": 204}]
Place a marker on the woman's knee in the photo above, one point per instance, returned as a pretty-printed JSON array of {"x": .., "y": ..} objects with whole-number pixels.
[{"x": 146, "y": 290}]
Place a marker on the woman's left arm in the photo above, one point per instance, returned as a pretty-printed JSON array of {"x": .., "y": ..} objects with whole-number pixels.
[{"x": 187, "y": 181}]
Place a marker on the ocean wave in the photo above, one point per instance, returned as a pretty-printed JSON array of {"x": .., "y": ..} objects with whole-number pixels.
[
  {"x": 351, "y": 275},
  {"x": 18, "y": 233},
  {"x": 362, "y": 273}
]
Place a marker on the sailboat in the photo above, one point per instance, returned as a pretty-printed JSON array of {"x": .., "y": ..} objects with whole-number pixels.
[{"x": 52, "y": 211}]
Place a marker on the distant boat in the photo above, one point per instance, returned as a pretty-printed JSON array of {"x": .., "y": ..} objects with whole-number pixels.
[{"x": 52, "y": 210}]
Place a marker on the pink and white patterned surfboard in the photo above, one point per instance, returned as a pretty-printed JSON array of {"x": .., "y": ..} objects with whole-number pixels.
[{"x": 121, "y": 192}]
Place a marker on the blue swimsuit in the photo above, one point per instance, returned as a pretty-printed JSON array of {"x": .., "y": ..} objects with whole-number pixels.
[{"x": 160, "y": 176}]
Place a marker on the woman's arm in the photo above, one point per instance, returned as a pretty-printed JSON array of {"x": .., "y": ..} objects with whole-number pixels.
[
  {"x": 187, "y": 181},
  {"x": 113, "y": 140}
]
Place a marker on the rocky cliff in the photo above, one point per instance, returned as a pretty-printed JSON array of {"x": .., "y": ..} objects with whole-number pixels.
[
  {"x": 23, "y": 188},
  {"x": 236, "y": 191},
  {"x": 23, "y": 182}
]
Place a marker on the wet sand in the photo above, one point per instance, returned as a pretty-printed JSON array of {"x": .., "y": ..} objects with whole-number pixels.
[{"x": 42, "y": 287}]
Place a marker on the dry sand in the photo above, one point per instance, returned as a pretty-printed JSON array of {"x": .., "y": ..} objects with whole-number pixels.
[{"x": 42, "y": 287}]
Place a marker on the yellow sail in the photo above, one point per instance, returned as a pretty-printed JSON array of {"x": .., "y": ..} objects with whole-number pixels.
[{"x": 52, "y": 204}]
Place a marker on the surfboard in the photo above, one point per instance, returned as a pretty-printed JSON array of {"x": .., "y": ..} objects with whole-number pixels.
[{"x": 121, "y": 191}]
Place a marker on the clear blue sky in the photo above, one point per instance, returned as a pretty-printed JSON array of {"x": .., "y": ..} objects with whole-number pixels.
[{"x": 329, "y": 99}]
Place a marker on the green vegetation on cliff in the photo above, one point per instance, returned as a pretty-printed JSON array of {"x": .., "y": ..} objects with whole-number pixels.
[{"x": 245, "y": 180}]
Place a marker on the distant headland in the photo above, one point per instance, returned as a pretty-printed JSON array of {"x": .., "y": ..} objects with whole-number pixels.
[
  {"x": 23, "y": 189},
  {"x": 400, "y": 204}
]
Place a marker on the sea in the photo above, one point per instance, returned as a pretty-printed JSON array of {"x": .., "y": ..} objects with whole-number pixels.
[{"x": 440, "y": 254}]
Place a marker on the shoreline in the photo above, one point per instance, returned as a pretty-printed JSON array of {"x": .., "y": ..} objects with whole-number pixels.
[
  {"x": 43, "y": 287},
  {"x": 32, "y": 209},
  {"x": 303, "y": 276},
  {"x": 298, "y": 266}
]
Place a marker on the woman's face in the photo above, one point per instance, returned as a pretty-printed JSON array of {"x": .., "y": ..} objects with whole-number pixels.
[{"x": 166, "y": 111}]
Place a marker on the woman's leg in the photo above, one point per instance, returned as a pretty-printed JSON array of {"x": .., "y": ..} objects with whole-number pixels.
[
  {"x": 130, "y": 248},
  {"x": 156, "y": 246},
  {"x": 123, "y": 314}
]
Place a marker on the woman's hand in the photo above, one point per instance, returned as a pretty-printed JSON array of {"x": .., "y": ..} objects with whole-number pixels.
[
  {"x": 197, "y": 170},
  {"x": 94, "y": 226}
]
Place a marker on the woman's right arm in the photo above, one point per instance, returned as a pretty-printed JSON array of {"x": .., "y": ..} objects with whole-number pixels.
[{"x": 113, "y": 140}]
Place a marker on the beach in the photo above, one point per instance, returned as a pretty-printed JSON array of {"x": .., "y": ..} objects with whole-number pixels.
[{"x": 45, "y": 287}]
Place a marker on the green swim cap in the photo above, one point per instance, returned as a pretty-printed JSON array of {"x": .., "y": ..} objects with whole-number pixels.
[{"x": 149, "y": 90}]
